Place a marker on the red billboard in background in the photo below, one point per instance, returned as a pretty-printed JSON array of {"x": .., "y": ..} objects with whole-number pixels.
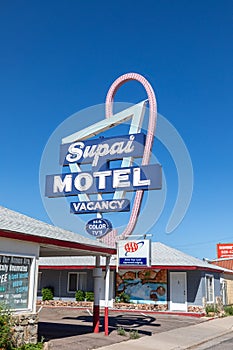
[{"x": 225, "y": 250}]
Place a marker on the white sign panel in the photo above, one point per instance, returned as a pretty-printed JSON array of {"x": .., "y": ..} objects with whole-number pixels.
[{"x": 134, "y": 253}]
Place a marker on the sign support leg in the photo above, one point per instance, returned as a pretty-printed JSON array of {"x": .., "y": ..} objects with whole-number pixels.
[
  {"x": 97, "y": 275},
  {"x": 107, "y": 280}
]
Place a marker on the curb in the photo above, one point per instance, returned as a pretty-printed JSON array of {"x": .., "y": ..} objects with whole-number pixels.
[
  {"x": 208, "y": 340},
  {"x": 178, "y": 313}
]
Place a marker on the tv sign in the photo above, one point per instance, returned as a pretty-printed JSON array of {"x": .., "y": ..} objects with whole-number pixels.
[
  {"x": 98, "y": 227},
  {"x": 134, "y": 253}
]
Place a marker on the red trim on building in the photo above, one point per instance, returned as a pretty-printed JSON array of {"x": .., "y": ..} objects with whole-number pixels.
[
  {"x": 55, "y": 242},
  {"x": 113, "y": 268},
  {"x": 169, "y": 267}
]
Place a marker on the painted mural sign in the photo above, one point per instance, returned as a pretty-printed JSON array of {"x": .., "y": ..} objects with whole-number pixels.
[
  {"x": 142, "y": 286},
  {"x": 134, "y": 253},
  {"x": 14, "y": 281}
]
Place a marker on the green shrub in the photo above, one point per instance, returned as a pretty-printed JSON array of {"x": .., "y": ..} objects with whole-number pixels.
[
  {"x": 123, "y": 298},
  {"x": 5, "y": 329},
  {"x": 121, "y": 331},
  {"x": 47, "y": 293},
  {"x": 89, "y": 296},
  {"x": 38, "y": 346},
  {"x": 6, "y": 333},
  {"x": 80, "y": 295},
  {"x": 133, "y": 334},
  {"x": 228, "y": 310},
  {"x": 211, "y": 308}
]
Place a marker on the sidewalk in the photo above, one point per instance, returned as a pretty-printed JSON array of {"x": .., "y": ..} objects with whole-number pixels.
[{"x": 182, "y": 338}]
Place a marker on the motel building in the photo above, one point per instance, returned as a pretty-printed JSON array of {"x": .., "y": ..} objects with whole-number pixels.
[
  {"x": 35, "y": 255},
  {"x": 174, "y": 282}
]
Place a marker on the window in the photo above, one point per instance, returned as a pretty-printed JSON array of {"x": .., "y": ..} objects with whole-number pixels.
[
  {"x": 77, "y": 280},
  {"x": 209, "y": 289},
  {"x": 223, "y": 291}
]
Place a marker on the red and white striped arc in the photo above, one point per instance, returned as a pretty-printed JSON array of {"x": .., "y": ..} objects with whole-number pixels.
[{"x": 112, "y": 236}]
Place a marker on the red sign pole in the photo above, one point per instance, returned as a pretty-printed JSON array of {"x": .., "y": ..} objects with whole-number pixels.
[{"x": 97, "y": 275}]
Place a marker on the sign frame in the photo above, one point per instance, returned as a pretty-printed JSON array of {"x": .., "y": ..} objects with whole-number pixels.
[
  {"x": 30, "y": 279},
  {"x": 225, "y": 250},
  {"x": 134, "y": 253}
]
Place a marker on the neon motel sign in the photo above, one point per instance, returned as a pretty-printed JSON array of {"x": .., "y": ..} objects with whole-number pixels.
[
  {"x": 81, "y": 148},
  {"x": 103, "y": 181}
]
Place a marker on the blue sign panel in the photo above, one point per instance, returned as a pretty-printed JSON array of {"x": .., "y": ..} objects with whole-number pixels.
[
  {"x": 101, "y": 150},
  {"x": 133, "y": 261},
  {"x": 103, "y": 206},
  {"x": 145, "y": 177},
  {"x": 98, "y": 227}
]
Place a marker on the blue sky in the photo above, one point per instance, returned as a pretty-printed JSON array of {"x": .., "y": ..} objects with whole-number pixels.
[{"x": 59, "y": 57}]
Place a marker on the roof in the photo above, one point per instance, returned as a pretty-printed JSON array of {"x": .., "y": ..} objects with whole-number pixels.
[
  {"x": 224, "y": 262},
  {"x": 162, "y": 256},
  {"x": 53, "y": 240},
  {"x": 170, "y": 257}
]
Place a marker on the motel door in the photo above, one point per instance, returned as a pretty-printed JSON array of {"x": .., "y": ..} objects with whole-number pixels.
[{"x": 178, "y": 291}]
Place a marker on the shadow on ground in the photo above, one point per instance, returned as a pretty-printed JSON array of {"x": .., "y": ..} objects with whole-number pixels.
[
  {"x": 52, "y": 330},
  {"x": 83, "y": 325}
]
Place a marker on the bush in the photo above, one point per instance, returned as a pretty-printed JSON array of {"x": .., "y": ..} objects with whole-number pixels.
[
  {"x": 133, "y": 334},
  {"x": 38, "y": 346},
  {"x": 6, "y": 333},
  {"x": 47, "y": 293},
  {"x": 80, "y": 295},
  {"x": 5, "y": 329},
  {"x": 123, "y": 298},
  {"x": 211, "y": 309},
  {"x": 89, "y": 296},
  {"x": 228, "y": 310},
  {"x": 121, "y": 331}
]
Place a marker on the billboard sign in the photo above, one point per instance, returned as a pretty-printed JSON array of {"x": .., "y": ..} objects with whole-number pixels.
[
  {"x": 134, "y": 253},
  {"x": 225, "y": 250}
]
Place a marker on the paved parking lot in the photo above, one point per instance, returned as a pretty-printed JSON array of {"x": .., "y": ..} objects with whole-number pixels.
[{"x": 66, "y": 326}]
